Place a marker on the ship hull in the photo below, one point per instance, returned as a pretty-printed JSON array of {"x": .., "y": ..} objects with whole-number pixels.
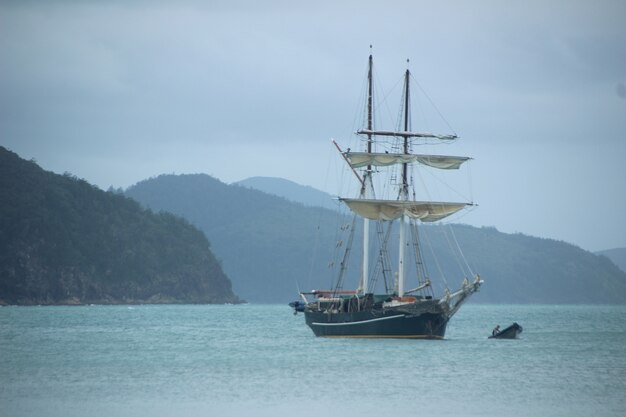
[{"x": 406, "y": 322}]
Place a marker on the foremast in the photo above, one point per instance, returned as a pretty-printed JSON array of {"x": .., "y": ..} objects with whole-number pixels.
[{"x": 366, "y": 185}]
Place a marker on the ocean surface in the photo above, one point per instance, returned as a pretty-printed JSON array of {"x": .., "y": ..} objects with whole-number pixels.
[{"x": 261, "y": 360}]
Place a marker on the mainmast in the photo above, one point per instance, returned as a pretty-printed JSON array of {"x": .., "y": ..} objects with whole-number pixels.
[
  {"x": 404, "y": 190},
  {"x": 367, "y": 180}
]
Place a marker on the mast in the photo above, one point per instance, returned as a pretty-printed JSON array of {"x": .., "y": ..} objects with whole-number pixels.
[
  {"x": 404, "y": 190},
  {"x": 370, "y": 112},
  {"x": 367, "y": 181}
]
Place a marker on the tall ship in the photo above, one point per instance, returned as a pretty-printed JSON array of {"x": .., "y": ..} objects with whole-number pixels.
[{"x": 398, "y": 311}]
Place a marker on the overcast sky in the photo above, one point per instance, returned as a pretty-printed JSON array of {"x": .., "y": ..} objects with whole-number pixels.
[{"x": 116, "y": 92}]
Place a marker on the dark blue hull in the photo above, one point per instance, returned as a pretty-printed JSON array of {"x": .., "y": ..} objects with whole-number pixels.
[{"x": 424, "y": 320}]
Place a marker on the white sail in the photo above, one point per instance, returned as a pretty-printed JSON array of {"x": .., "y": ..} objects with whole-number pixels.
[
  {"x": 426, "y": 211},
  {"x": 361, "y": 159}
]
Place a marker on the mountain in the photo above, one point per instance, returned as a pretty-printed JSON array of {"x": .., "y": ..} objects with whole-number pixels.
[
  {"x": 265, "y": 242},
  {"x": 525, "y": 269},
  {"x": 270, "y": 247},
  {"x": 64, "y": 241},
  {"x": 291, "y": 191},
  {"x": 617, "y": 256}
]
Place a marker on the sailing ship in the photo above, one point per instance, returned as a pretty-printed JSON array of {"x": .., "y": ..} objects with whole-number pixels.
[{"x": 398, "y": 312}]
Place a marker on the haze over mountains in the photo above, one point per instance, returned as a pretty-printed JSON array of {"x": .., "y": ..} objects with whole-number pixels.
[
  {"x": 270, "y": 246},
  {"x": 309, "y": 196},
  {"x": 292, "y": 191},
  {"x": 617, "y": 256}
]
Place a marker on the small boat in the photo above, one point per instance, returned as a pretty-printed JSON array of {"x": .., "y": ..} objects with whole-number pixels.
[{"x": 510, "y": 332}]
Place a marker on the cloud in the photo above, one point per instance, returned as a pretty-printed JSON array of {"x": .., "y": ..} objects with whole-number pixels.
[{"x": 115, "y": 91}]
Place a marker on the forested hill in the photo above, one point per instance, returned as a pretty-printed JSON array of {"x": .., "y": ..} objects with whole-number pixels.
[
  {"x": 271, "y": 247},
  {"x": 64, "y": 241},
  {"x": 266, "y": 242}
]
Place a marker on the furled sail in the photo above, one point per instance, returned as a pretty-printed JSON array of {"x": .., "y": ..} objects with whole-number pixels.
[
  {"x": 361, "y": 159},
  {"x": 426, "y": 211},
  {"x": 405, "y": 134}
]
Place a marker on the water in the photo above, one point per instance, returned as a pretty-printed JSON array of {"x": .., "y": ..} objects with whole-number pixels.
[{"x": 260, "y": 360}]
